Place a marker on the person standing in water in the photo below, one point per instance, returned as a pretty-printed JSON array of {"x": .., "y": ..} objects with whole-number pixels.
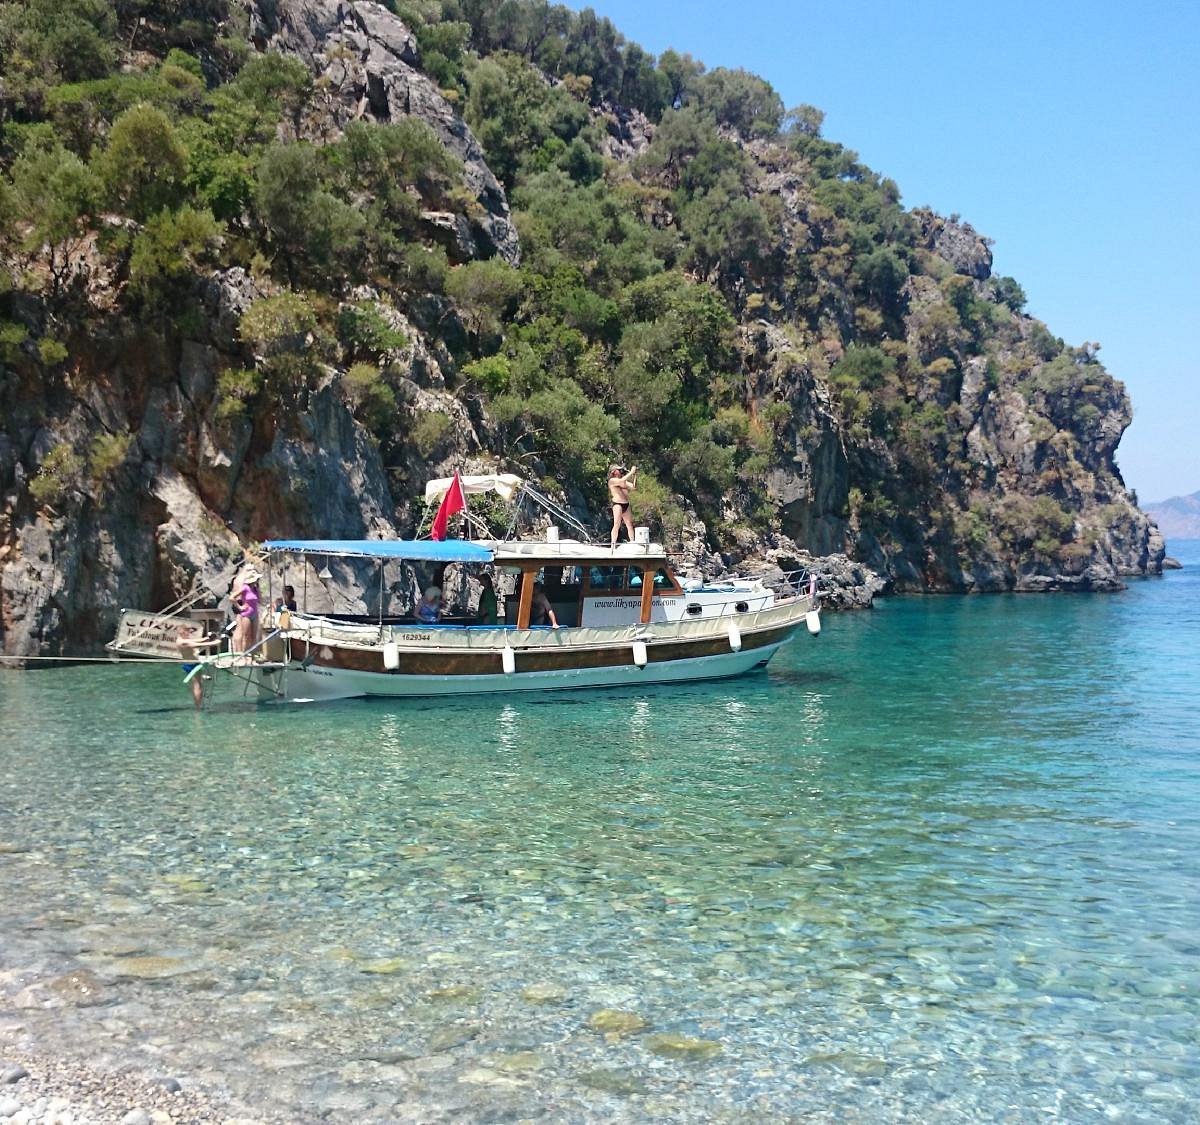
[
  {"x": 620, "y": 485},
  {"x": 190, "y": 639}
]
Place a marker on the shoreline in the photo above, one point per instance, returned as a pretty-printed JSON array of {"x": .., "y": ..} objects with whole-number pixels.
[{"x": 41, "y": 1088}]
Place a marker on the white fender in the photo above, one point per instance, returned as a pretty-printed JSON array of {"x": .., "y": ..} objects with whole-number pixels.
[
  {"x": 508, "y": 660},
  {"x": 640, "y": 655},
  {"x": 812, "y": 619},
  {"x": 735, "y": 637},
  {"x": 391, "y": 656}
]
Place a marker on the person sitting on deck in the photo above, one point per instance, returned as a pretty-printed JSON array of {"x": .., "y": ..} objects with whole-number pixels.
[
  {"x": 288, "y": 601},
  {"x": 429, "y": 608},
  {"x": 541, "y": 610},
  {"x": 488, "y": 609}
]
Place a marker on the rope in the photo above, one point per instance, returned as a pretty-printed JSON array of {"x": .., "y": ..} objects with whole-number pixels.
[{"x": 98, "y": 659}]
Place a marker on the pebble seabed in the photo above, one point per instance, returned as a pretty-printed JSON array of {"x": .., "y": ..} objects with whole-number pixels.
[
  {"x": 35, "y": 1090},
  {"x": 711, "y": 904}
]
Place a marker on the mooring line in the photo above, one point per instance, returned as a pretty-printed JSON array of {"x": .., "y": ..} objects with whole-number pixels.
[{"x": 98, "y": 659}]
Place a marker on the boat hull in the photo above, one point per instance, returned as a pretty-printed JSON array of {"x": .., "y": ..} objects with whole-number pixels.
[{"x": 298, "y": 684}]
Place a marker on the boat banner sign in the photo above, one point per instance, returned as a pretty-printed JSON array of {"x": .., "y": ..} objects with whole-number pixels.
[{"x": 150, "y": 634}]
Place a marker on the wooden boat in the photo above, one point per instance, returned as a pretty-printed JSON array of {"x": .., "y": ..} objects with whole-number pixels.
[{"x": 624, "y": 619}]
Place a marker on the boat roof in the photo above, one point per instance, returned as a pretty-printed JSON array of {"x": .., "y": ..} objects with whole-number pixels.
[
  {"x": 568, "y": 551},
  {"x": 557, "y": 552},
  {"x": 416, "y": 550}
]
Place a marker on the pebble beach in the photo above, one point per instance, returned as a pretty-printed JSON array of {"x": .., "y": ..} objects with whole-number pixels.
[{"x": 40, "y": 1090}]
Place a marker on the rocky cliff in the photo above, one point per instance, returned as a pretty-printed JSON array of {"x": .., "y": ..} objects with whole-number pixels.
[{"x": 805, "y": 368}]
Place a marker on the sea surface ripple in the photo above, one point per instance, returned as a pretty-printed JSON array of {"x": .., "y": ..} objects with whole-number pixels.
[{"x": 941, "y": 864}]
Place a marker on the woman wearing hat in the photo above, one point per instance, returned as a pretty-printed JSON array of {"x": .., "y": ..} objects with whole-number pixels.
[
  {"x": 429, "y": 608},
  {"x": 245, "y": 603}
]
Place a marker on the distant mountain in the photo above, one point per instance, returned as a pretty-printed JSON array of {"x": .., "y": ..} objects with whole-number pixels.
[{"x": 1177, "y": 518}]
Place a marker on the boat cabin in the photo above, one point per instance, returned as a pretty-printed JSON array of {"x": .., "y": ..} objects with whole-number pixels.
[{"x": 585, "y": 584}]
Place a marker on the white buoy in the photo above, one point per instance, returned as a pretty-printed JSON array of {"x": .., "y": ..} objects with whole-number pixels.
[
  {"x": 508, "y": 660},
  {"x": 640, "y": 655},
  {"x": 735, "y": 637},
  {"x": 391, "y": 656},
  {"x": 813, "y": 620}
]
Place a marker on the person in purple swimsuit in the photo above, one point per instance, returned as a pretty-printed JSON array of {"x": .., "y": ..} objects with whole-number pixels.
[{"x": 245, "y": 603}]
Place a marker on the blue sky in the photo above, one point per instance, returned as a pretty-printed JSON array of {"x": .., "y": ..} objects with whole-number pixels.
[{"x": 1069, "y": 132}]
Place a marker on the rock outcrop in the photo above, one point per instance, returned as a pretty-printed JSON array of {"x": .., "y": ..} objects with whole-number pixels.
[
  {"x": 367, "y": 66},
  {"x": 124, "y": 480}
]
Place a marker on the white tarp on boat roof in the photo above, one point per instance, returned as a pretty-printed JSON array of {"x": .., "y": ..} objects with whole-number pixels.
[
  {"x": 569, "y": 550},
  {"x": 505, "y": 485}
]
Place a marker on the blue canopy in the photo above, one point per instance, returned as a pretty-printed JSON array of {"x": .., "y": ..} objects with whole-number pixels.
[{"x": 426, "y": 550}]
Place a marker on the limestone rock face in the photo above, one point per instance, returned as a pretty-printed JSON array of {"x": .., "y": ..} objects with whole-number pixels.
[
  {"x": 628, "y": 131},
  {"x": 842, "y": 583},
  {"x": 367, "y": 65},
  {"x": 957, "y": 243},
  {"x": 810, "y": 481},
  {"x": 1023, "y": 494}
]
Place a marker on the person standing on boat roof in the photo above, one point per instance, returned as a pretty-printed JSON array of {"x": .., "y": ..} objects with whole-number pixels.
[
  {"x": 619, "y": 487},
  {"x": 245, "y": 603},
  {"x": 429, "y": 608}
]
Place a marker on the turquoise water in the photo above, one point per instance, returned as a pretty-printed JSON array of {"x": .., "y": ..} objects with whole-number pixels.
[{"x": 941, "y": 864}]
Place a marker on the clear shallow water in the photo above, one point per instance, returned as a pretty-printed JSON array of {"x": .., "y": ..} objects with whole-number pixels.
[{"x": 941, "y": 864}]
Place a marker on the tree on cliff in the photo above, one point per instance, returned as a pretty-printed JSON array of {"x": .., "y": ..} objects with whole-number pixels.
[{"x": 146, "y": 144}]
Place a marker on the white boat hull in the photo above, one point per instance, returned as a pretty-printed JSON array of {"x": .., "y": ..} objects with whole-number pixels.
[{"x": 297, "y": 684}]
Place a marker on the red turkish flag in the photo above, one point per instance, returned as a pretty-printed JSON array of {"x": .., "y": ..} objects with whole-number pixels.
[{"x": 454, "y": 501}]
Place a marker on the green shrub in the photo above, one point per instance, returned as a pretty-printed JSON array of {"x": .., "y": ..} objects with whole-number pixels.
[
  {"x": 491, "y": 374},
  {"x": 236, "y": 387},
  {"x": 107, "y": 454},
  {"x": 144, "y": 164},
  {"x": 53, "y": 197},
  {"x": 482, "y": 291},
  {"x": 51, "y": 351},
  {"x": 373, "y": 400},
  {"x": 428, "y": 431},
  {"x": 863, "y": 366},
  {"x": 12, "y": 336},
  {"x": 170, "y": 247},
  {"x": 58, "y": 474},
  {"x": 423, "y": 269},
  {"x": 363, "y": 327},
  {"x": 281, "y": 330}
]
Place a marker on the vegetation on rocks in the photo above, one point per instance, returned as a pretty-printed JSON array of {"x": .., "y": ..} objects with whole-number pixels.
[{"x": 704, "y": 283}]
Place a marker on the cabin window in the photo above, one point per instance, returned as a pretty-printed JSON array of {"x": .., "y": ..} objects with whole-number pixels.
[
  {"x": 665, "y": 583},
  {"x": 629, "y": 580},
  {"x": 607, "y": 578}
]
